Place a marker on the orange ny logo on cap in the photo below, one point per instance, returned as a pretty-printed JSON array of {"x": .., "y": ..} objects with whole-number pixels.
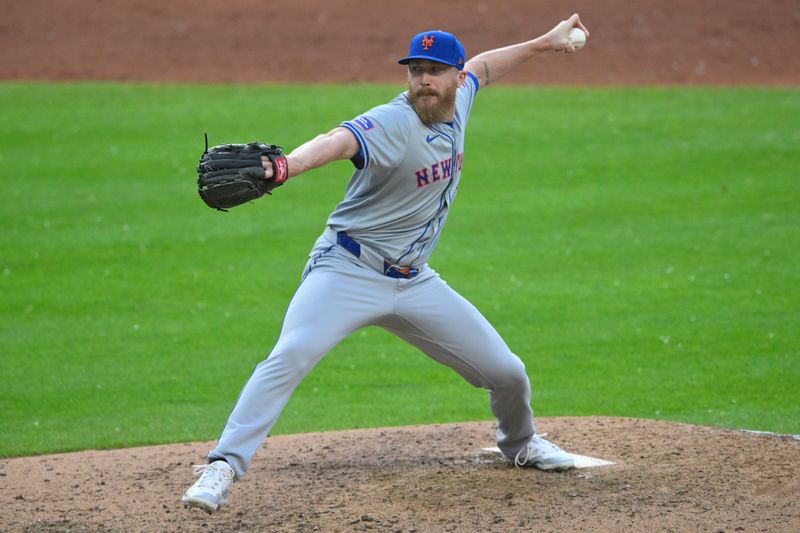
[{"x": 427, "y": 42}]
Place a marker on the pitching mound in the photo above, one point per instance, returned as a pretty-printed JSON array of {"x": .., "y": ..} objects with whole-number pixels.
[{"x": 667, "y": 477}]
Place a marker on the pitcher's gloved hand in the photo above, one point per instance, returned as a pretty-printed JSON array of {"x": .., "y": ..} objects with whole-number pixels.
[{"x": 232, "y": 174}]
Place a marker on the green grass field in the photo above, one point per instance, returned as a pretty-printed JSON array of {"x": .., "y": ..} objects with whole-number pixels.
[{"x": 638, "y": 248}]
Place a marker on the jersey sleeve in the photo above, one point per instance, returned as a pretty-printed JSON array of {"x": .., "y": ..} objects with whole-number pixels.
[
  {"x": 382, "y": 135},
  {"x": 466, "y": 95}
]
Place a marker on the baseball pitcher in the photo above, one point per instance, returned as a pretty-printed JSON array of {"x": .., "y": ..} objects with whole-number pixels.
[{"x": 369, "y": 267}]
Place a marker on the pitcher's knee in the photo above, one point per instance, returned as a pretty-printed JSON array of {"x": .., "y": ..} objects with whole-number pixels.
[
  {"x": 292, "y": 359},
  {"x": 510, "y": 373}
]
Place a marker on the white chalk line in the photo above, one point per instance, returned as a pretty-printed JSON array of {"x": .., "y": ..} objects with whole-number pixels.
[{"x": 770, "y": 434}]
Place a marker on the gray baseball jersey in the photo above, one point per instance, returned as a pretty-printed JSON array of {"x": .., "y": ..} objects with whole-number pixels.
[
  {"x": 406, "y": 177},
  {"x": 395, "y": 206}
]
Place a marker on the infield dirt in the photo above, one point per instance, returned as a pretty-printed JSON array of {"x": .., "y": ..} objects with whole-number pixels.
[
  {"x": 643, "y": 42},
  {"x": 668, "y": 477}
]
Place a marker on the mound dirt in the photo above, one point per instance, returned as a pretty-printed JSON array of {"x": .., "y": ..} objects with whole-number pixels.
[
  {"x": 667, "y": 477},
  {"x": 643, "y": 42}
]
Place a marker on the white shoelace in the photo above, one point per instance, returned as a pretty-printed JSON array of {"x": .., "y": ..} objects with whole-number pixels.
[
  {"x": 520, "y": 462},
  {"x": 209, "y": 476}
]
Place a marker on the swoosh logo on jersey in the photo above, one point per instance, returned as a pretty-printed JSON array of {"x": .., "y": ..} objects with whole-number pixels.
[{"x": 431, "y": 138}]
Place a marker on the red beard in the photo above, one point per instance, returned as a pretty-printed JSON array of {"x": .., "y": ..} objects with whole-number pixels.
[{"x": 432, "y": 107}]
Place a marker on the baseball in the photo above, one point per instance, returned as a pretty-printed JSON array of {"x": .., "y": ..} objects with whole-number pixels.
[{"x": 577, "y": 37}]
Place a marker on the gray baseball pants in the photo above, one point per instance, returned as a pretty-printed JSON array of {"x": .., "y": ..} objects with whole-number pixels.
[{"x": 340, "y": 294}]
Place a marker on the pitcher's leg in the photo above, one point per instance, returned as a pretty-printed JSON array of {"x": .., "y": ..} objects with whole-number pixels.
[
  {"x": 452, "y": 331},
  {"x": 321, "y": 313}
]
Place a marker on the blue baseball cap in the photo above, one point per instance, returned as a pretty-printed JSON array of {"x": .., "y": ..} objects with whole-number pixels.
[{"x": 438, "y": 46}]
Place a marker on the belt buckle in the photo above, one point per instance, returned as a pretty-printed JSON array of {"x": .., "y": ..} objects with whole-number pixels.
[{"x": 396, "y": 271}]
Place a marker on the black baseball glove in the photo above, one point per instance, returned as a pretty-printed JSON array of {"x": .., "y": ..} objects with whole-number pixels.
[{"x": 231, "y": 174}]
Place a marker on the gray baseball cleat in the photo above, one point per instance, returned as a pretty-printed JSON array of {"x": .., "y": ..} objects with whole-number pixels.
[
  {"x": 544, "y": 455},
  {"x": 212, "y": 490}
]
